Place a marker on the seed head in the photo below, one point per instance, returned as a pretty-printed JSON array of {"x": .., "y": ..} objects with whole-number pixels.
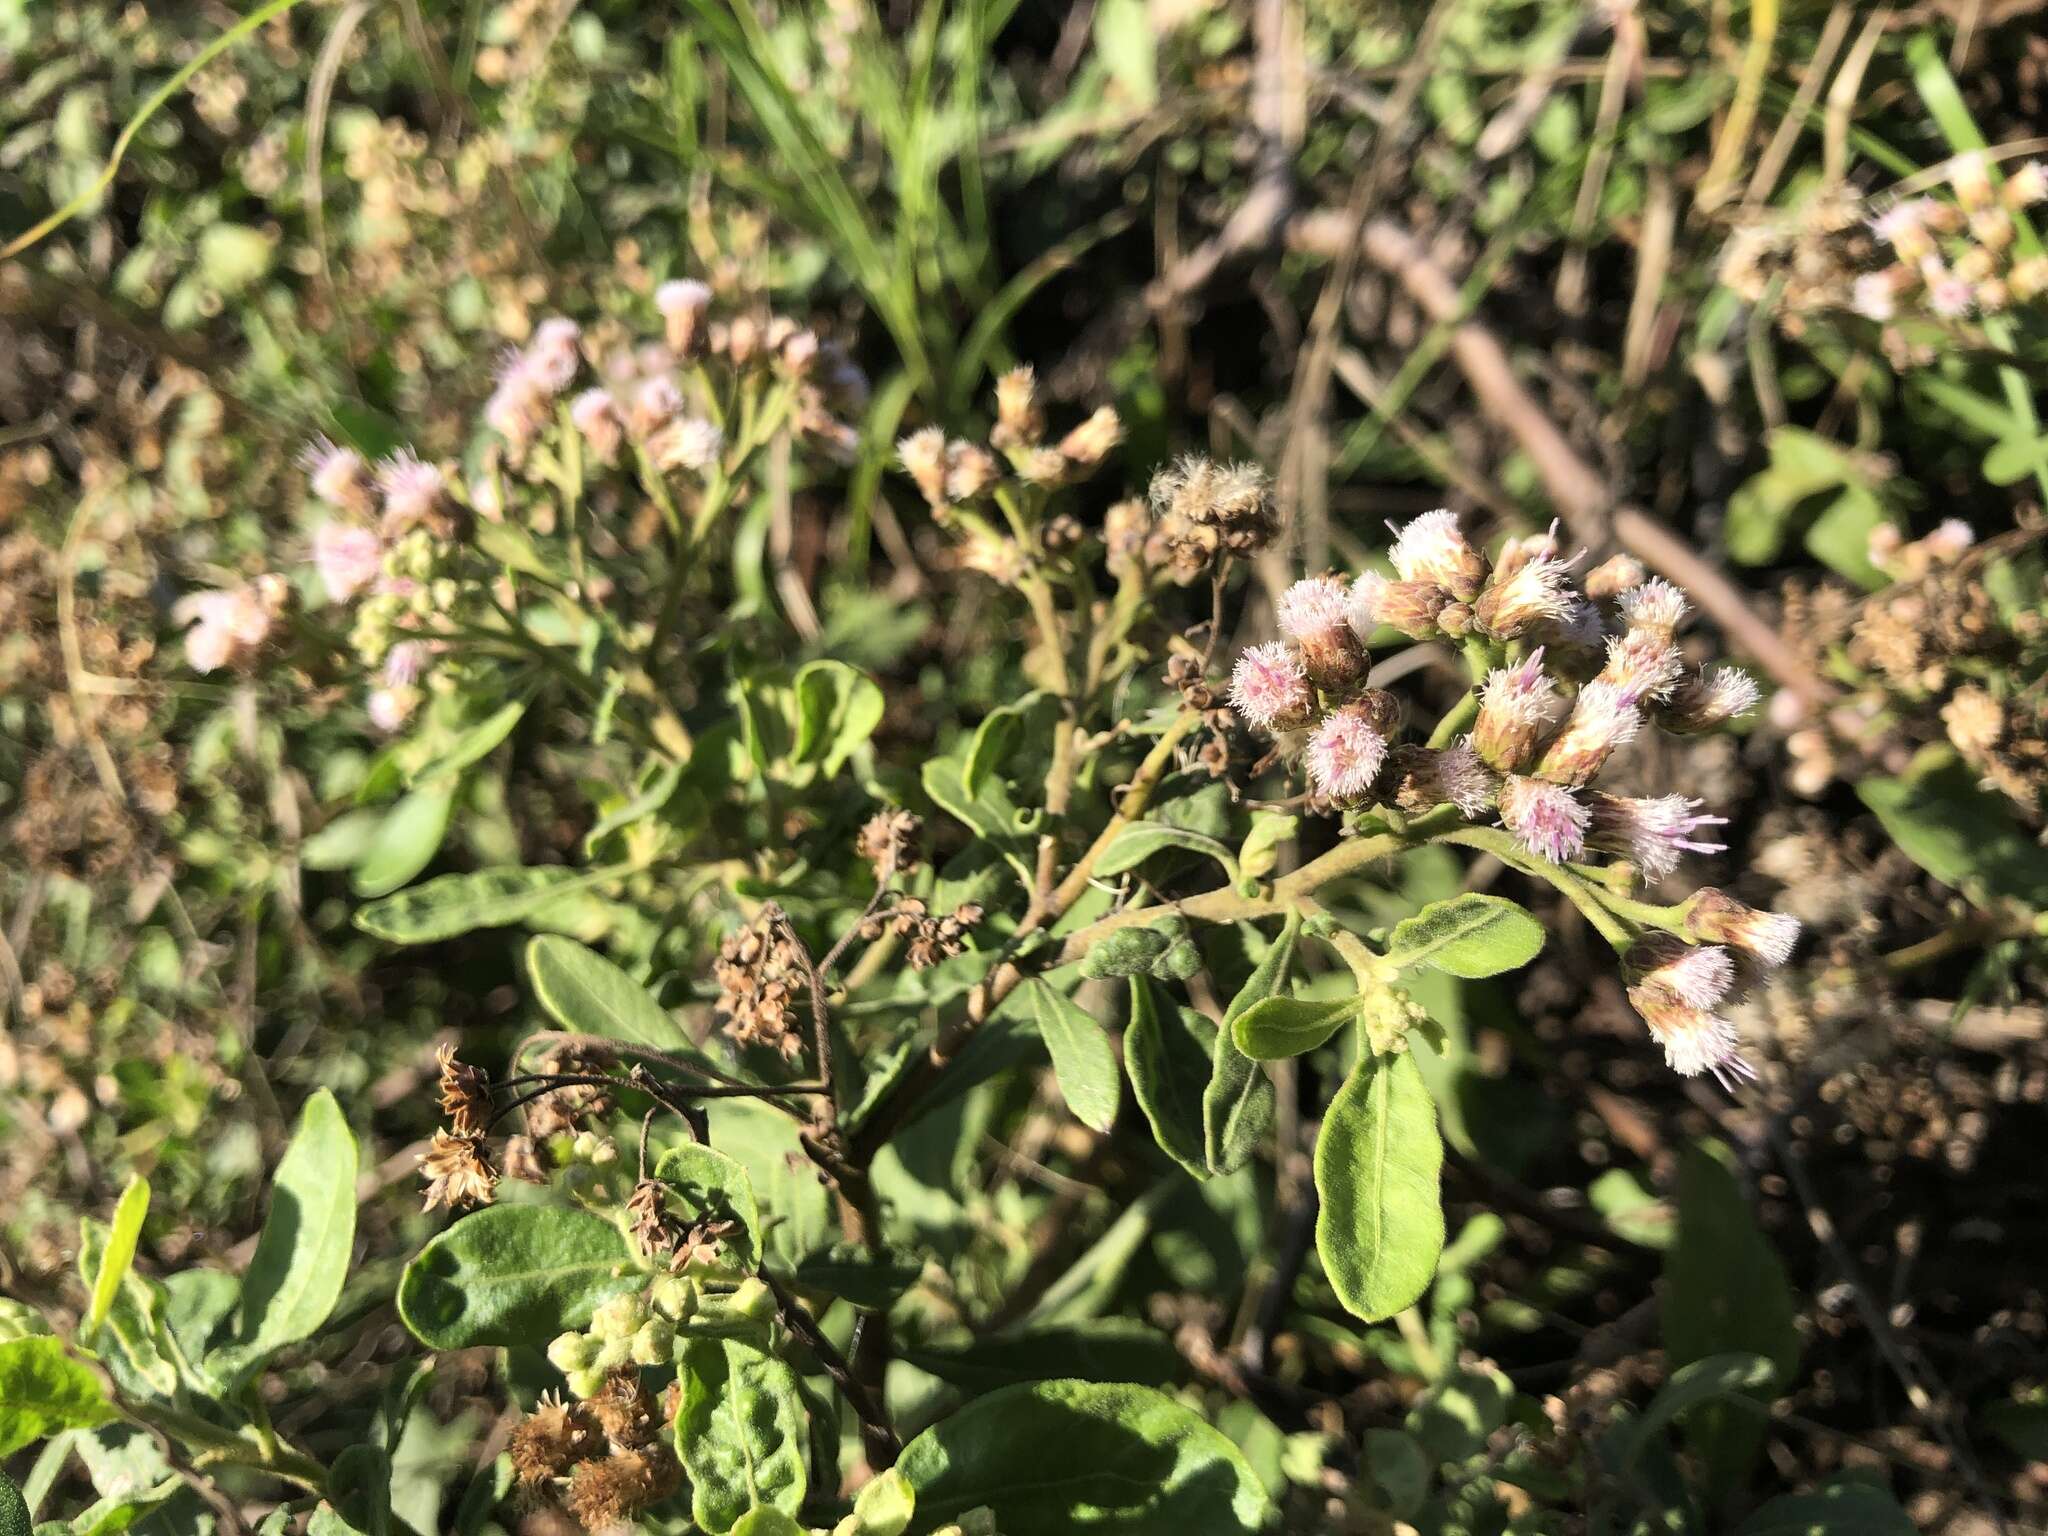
[
  {"x": 1517, "y": 706},
  {"x": 1544, "y": 818},
  {"x": 1651, "y": 833},
  {"x": 1269, "y": 689},
  {"x": 465, "y": 1095},
  {"x": 608, "y": 1495},
  {"x": 1345, "y": 754},
  {"x": 1019, "y": 422},
  {"x": 552, "y": 1439},
  {"x": 1430, "y": 548}
]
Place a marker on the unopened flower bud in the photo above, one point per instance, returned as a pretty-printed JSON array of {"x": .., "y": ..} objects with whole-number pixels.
[
  {"x": 1430, "y": 548},
  {"x": 1676, "y": 988},
  {"x": 2025, "y": 185},
  {"x": 1345, "y": 753},
  {"x": 1517, "y": 706},
  {"x": 744, "y": 339},
  {"x": 1455, "y": 619},
  {"x": 1544, "y": 818},
  {"x": 970, "y": 470},
  {"x": 572, "y": 1352},
  {"x": 1313, "y": 613},
  {"x": 1650, "y": 833},
  {"x": 586, "y": 1383},
  {"x": 683, "y": 302},
  {"x": 1423, "y": 778},
  {"x": 1970, "y": 175},
  {"x": 673, "y": 1297},
  {"x": 620, "y": 1317},
  {"x": 1705, "y": 701},
  {"x": 1642, "y": 664},
  {"x": 1602, "y": 721},
  {"x": 653, "y": 1343},
  {"x": 1269, "y": 690},
  {"x": 1411, "y": 607},
  {"x": 1715, "y": 917},
  {"x": 1614, "y": 576}
]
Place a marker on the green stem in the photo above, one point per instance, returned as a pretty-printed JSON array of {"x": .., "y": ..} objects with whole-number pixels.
[{"x": 1590, "y": 899}]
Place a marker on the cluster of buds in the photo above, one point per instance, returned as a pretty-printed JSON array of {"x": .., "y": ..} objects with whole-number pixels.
[
  {"x": 955, "y": 475},
  {"x": 888, "y": 840},
  {"x": 1201, "y": 512},
  {"x": 644, "y": 1327},
  {"x": 1576, "y": 675},
  {"x": 604, "y": 1455},
  {"x": 762, "y": 976}
]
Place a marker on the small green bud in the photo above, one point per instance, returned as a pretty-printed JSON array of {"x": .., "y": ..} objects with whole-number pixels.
[
  {"x": 753, "y": 1299},
  {"x": 1181, "y": 960},
  {"x": 613, "y": 1353},
  {"x": 572, "y": 1352},
  {"x": 674, "y": 1297},
  {"x": 620, "y": 1317},
  {"x": 654, "y": 1343},
  {"x": 586, "y": 1383}
]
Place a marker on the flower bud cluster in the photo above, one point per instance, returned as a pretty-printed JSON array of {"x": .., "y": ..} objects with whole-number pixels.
[{"x": 1578, "y": 676}]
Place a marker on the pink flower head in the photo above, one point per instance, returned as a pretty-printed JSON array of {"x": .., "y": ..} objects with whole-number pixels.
[
  {"x": 692, "y": 443},
  {"x": 1516, "y": 706},
  {"x": 1315, "y": 614},
  {"x": 1694, "y": 1041},
  {"x": 390, "y": 708},
  {"x": 1718, "y": 918},
  {"x": 1430, "y": 548},
  {"x": 412, "y": 489},
  {"x": 656, "y": 402},
  {"x": 1269, "y": 689},
  {"x": 1949, "y": 296},
  {"x": 1642, "y": 664},
  {"x": 228, "y": 626},
  {"x": 338, "y": 475},
  {"x": 595, "y": 415},
  {"x": 1873, "y": 297},
  {"x": 552, "y": 358},
  {"x": 1707, "y": 700},
  {"x": 404, "y": 663},
  {"x": 1533, "y": 591},
  {"x": 1950, "y": 539},
  {"x": 347, "y": 557},
  {"x": 1362, "y": 609},
  {"x": 683, "y": 302},
  {"x": 1656, "y": 604},
  {"x": 1603, "y": 720},
  {"x": 1466, "y": 782},
  {"x": 1345, "y": 754},
  {"x": 1904, "y": 227},
  {"x": 1546, "y": 819},
  {"x": 1651, "y": 833}
]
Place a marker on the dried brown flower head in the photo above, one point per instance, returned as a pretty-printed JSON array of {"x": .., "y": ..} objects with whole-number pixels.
[
  {"x": 562, "y": 1111},
  {"x": 465, "y": 1095},
  {"x": 458, "y": 1172},
  {"x": 653, "y": 1228},
  {"x": 760, "y": 977},
  {"x": 888, "y": 841},
  {"x": 552, "y": 1439},
  {"x": 610, "y": 1494}
]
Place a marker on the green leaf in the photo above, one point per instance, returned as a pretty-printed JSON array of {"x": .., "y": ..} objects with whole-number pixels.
[
  {"x": 455, "y": 904},
  {"x": 767, "y": 1522},
  {"x": 1118, "y": 1349},
  {"x": 1378, "y": 1162},
  {"x": 857, "y": 1274},
  {"x": 1127, "y": 46},
  {"x": 1278, "y": 1027},
  {"x": 994, "y": 738},
  {"x": 740, "y": 1431},
  {"x": 1960, "y": 833},
  {"x": 1237, "y": 1106},
  {"x": 712, "y": 1186},
  {"x": 1054, "y": 1457},
  {"x": 43, "y": 1390},
  {"x": 586, "y": 993},
  {"x": 988, "y": 812},
  {"x": 1840, "y": 537},
  {"x": 405, "y": 842},
  {"x": 1469, "y": 936},
  {"x": 883, "y": 1508},
  {"x": 302, "y": 1254},
  {"x": 1141, "y": 839},
  {"x": 1259, "y": 854},
  {"x": 1724, "y": 1291},
  {"x": 119, "y": 1252},
  {"x": 2010, "y": 460},
  {"x": 1691, "y": 1386},
  {"x": 474, "y": 745},
  {"x": 1842, "y": 1506},
  {"x": 837, "y": 709},
  {"x": 1126, "y": 952},
  {"x": 1083, "y": 1060},
  {"x": 1166, "y": 1051},
  {"x": 14, "y": 1517},
  {"x": 514, "y": 1274},
  {"x": 344, "y": 841}
]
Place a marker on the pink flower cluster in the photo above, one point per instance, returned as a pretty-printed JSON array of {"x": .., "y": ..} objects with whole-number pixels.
[{"x": 1584, "y": 670}]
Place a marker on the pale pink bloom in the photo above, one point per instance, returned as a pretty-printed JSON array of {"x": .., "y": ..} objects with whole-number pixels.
[
  {"x": 1873, "y": 297},
  {"x": 2027, "y": 184},
  {"x": 1603, "y": 720},
  {"x": 348, "y": 558},
  {"x": 1707, "y": 700},
  {"x": 800, "y": 352},
  {"x": 683, "y": 302},
  {"x": 1950, "y": 539},
  {"x": 655, "y": 403},
  {"x": 1345, "y": 754},
  {"x": 552, "y": 358},
  {"x": 1313, "y": 608},
  {"x": 692, "y": 443},
  {"x": 404, "y": 663},
  {"x": 1642, "y": 664},
  {"x": 1652, "y": 832},
  {"x": 1517, "y": 705},
  {"x": 1545, "y": 818},
  {"x": 227, "y": 626},
  {"x": 1466, "y": 782},
  {"x": 1269, "y": 689},
  {"x": 1950, "y": 296},
  {"x": 411, "y": 486},
  {"x": 1696, "y": 1042},
  {"x": 1656, "y": 604},
  {"x": 390, "y": 708},
  {"x": 1718, "y": 918},
  {"x": 1430, "y": 548},
  {"x": 1533, "y": 591},
  {"x": 518, "y": 407},
  {"x": 1362, "y": 608},
  {"x": 337, "y": 475},
  {"x": 596, "y": 416}
]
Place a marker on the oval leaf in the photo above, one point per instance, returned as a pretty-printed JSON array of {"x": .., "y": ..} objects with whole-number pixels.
[
  {"x": 1054, "y": 1457},
  {"x": 1278, "y": 1027},
  {"x": 712, "y": 1187},
  {"x": 1378, "y": 1162},
  {"x": 586, "y": 993},
  {"x": 514, "y": 1274},
  {"x": 1237, "y": 1106},
  {"x": 474, "y": 745},
  {"x": 1472, "y": 935},
  {"x": 456, "y": 904},
  {"x": 1166, "y": 1051},
  {"x": 302, "y": 1255},
  {"x": 43, "y": 1390},
  {"x": 1083, "y": 1060},
  {"x": 837, "y": 708},
  {"x": 740, "y": 1432},
  {"x": 1141, "y": 839},
  {"x": 405, "y": 841}
]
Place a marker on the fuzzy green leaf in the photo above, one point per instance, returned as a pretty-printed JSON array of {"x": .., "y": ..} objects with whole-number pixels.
[
  {"x": 1470, "y": 936},
  {"x": 837, "y": 709},
  {"x": 43, "y": 1390},
  {"x": 1166, "y": 1051},
  {"x": 586, "y": 993},
  {"x": 456, "y": 904},
  {"x": 711, "y": 1186},
  {"x": 514, "y": 1274},
  {"x": 119, "y": 1253},
  {"x": 740, "y": 1431},
  {"x": 1377, "y": 1165},
  {"x": 1237, "y": 1106},
  {"x": 405, "y": 841},
  {"x": 1278, "y": 1027},
  {"x": 1083, "y": 1060},
  {"x": 474, "y": 744}
]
